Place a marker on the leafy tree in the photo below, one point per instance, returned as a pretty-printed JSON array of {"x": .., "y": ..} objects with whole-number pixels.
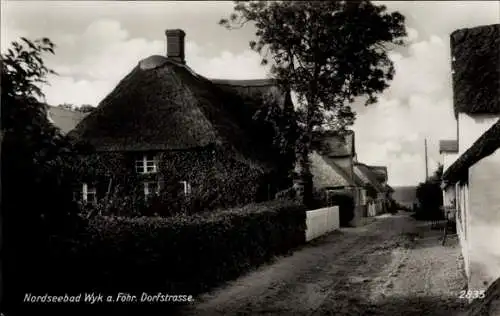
[
  {"x": 33, "y": 149},
  {"x": 36, "y": 197},
  {"x": 328, "y": 53},
  {"x": 430, "y": 196},
  {"x": 438, "y": 174}
]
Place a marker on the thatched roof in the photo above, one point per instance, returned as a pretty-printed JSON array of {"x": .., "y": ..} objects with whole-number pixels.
[
  {"x": 333, "y": 144},
  {"x": 448, "y": 146},
  {"x": 487, "y": 144},
  {"x": 328, "y": 174},
  {"x": 255, "y": 92},
  {"x": 368, "y": 177},
  {"x": 64, "y": 119},
  {"x": 380, "y": 172},
  {"x": 164, "y": 105},
  {"x": 476, "y": 75}
]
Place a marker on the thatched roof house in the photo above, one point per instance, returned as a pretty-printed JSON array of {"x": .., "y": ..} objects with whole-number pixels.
[
  {"x": 163, "y": 105},
  {"x": 177, "y": 125}
]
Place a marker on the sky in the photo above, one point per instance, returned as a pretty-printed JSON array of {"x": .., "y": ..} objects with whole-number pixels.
[{"x": 98, "y": 43}]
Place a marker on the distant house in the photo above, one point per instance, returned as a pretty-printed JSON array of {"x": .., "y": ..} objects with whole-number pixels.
[
  {"x": 376, "y": 191},
  {"x": 381, "y": 173},
  {"x": 471, "y": 179},
  {"x": 383, "y": 177},
  {"x": 176, "y": 127},
  {"x": 333, "y": 169}
]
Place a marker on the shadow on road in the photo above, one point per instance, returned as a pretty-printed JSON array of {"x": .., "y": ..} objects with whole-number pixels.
[{"x": 407, "y": 306}]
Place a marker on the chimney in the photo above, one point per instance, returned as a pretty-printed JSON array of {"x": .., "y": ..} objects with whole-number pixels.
[{"x": 175, "y": 45}]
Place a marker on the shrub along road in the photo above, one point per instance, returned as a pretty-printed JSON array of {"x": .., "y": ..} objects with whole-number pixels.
[{"x": 393, "y": 266}]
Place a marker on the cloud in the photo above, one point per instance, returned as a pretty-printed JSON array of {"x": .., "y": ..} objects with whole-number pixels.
[
  {"x": 9, "y": 35},
  {"x": 110, "y": 53},
  {"x": 417, "y": 105},
  {"x": 440, "y": 18}
]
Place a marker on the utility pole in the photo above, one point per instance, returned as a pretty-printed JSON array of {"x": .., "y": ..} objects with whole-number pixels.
[{"x": 426, "y": 161}]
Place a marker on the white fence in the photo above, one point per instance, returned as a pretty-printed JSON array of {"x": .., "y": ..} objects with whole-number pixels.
[{"x": 322, "y": 221}]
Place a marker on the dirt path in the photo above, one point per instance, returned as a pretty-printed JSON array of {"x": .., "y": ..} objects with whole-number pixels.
[{"x": 378, "y": 269}]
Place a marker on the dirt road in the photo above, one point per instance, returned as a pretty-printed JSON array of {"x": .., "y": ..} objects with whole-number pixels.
[{"x": 393, "y": 266}]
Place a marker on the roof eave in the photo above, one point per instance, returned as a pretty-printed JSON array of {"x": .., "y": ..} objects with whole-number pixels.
[{"x": 487, "y": 144}]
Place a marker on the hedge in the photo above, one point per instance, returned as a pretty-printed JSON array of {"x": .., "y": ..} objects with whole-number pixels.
[{"x": 182, "y": 254}]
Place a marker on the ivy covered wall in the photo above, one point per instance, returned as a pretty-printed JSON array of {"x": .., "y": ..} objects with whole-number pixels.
[{"x": 216, "y": 180}]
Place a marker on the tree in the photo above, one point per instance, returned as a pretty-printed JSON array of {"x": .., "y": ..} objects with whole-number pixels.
[
  {"x": 438, "y": 174},
  {"x": 430, "y": 196},
  {"x": 33, "y": 149},
  {"x": 328, "y": 53},
  {"x": 36, "y": 195}
]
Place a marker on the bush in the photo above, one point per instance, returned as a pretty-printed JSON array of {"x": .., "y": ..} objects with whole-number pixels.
[
  {"x": 430, "y": 199},
  {"x": 181, "y": 254}
]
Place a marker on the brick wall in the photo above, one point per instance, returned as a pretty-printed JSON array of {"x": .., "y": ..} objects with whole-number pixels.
[{"x": 483, "y": 222}]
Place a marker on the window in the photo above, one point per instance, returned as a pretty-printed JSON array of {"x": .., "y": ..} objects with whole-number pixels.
[
  {"x": 89, "y": 193},
  {"x": 146, "y": 164},
  {"x": 186, "y": 187},
  {"x": 151, "y": 188}
]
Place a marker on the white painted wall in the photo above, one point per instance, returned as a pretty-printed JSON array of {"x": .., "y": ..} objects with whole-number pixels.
[
  {"x": 322, "y": 221},
  {"x": 448, "y": 159},
  {"x": 483, "y": 222},
  {"x": 471, "y": 127},
  {"x": 462, "y": 204}
]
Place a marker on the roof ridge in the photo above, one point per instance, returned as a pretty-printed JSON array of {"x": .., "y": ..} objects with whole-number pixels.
[{"x": 179, "y": 82}]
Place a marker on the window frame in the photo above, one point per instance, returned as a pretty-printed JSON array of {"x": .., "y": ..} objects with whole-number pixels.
[
  {"x": 89, "y": 190},
  {"x": 146, "y": 161},
  {"x": 146, "y": 191},
  {"x": 186, "y": 187}
]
